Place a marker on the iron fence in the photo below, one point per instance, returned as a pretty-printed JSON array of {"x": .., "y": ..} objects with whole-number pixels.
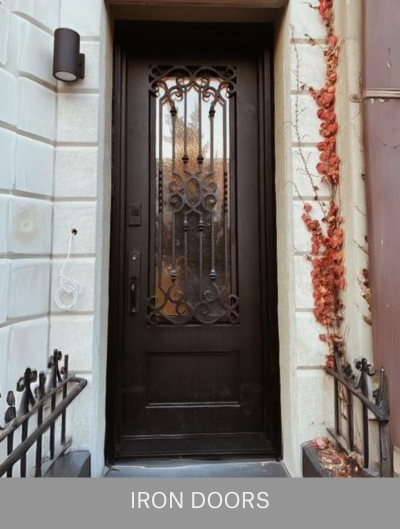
[
  {"x": 45, "y": 403},
  {"x": 374, "y": 405}
]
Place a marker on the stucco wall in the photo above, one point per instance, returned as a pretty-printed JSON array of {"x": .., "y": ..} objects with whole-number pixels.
[{"x": 61, "y": 173}]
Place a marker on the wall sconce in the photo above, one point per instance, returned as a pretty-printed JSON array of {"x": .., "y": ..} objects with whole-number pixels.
[{"x": 69, "y": 63}]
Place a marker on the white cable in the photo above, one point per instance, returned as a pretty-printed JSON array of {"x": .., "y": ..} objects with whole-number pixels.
[{"x": 68, "y": 288}]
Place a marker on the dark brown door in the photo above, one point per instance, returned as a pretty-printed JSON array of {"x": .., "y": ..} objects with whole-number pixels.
[{"x": 193, "y": 349}]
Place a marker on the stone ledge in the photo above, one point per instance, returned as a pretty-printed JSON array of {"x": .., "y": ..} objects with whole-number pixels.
[
  {"x": 311, "y": 465},
  {"x": 71, "y": 465}
]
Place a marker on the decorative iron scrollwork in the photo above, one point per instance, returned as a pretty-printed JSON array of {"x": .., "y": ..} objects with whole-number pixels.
[
  {"x": 42, "y": 405},
  {"x": 30, "y": 397},
  {"x": 193, "y": 226},
  {"x": 11, "y": 411},
  {"x": 186, "y": 78},
  {"x": 356, "y": 383}
]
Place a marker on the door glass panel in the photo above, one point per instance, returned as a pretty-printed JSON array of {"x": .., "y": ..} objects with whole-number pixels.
[{"x": 194, "y": 279}]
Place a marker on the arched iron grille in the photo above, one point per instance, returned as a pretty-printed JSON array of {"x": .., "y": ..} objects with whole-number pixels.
[{"x": 194, "y": 147}]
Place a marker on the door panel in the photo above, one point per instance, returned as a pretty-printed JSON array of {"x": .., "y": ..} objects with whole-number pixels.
[{"x": 190, "y": 353}]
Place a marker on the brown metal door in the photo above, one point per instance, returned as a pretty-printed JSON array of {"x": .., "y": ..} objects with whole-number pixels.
[{"x": 194, "y": 368}]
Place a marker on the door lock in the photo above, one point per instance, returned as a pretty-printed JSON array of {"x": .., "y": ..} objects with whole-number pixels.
[{"x": 134, "y": 282}]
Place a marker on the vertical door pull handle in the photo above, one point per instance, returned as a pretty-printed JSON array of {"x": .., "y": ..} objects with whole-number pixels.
[
  {"x": 134, "y": 271},
  {"x": 133, "y": 297}
]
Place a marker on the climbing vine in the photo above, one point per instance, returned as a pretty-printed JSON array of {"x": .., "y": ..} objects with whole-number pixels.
[
  {"x": 327, "y": 235},
  {"x": 327, "y": 240}
]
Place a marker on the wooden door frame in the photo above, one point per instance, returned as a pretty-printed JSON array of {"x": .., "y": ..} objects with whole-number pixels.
[{"x": 262, "y": 33}]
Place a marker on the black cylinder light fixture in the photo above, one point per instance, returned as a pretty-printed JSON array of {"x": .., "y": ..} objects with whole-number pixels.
[{"x": 69, "y": 63}]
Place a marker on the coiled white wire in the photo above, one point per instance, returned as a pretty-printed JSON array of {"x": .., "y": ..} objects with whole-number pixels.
[{"x": 68, "y": 288}]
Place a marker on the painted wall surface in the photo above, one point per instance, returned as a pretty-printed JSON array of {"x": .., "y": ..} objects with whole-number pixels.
[{"x": 55, "y": 175}]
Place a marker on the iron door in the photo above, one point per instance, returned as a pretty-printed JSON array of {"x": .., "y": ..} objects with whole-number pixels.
[{"x": 193, "y": 354}]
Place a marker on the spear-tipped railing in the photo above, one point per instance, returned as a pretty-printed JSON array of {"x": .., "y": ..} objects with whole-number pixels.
[
  {"x": 45, "y": 403},
  {"x": 350, "y": 385}
]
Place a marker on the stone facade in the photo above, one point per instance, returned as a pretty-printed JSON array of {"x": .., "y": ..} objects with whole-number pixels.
[
  {"x": 28, "y": 119},
  {"x": 55, "y": 152}
]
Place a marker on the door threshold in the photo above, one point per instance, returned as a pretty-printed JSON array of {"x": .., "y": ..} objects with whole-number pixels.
[{"x": 196, "y": 468}]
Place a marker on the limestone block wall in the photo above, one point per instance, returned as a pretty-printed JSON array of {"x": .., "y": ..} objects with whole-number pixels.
[
  {"x": 28, "y": 118},
  {"x": 306, "y": 390},
  {"x": 48, "y": 186},
  {"x": 76, "y": 207}
]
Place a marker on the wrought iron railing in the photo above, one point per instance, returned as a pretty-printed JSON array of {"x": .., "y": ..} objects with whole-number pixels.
[
  {"x": 374, "y": 405},
  {"x": 45, "y": 404}
]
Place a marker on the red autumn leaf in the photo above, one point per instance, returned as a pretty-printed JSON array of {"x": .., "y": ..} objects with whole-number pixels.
[
  {"x": 322, "y": 146},
  {"x": 332, "y": 40},
  {"x": 330, "y": 116}
]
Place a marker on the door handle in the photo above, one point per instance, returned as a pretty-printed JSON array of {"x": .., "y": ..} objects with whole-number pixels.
[
  {"x": 133, "y": 297},
  {"x": 134, "y": 282}
]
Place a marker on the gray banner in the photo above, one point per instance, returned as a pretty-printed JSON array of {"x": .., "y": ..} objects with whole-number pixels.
[{"x": 284, "y": 503}]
